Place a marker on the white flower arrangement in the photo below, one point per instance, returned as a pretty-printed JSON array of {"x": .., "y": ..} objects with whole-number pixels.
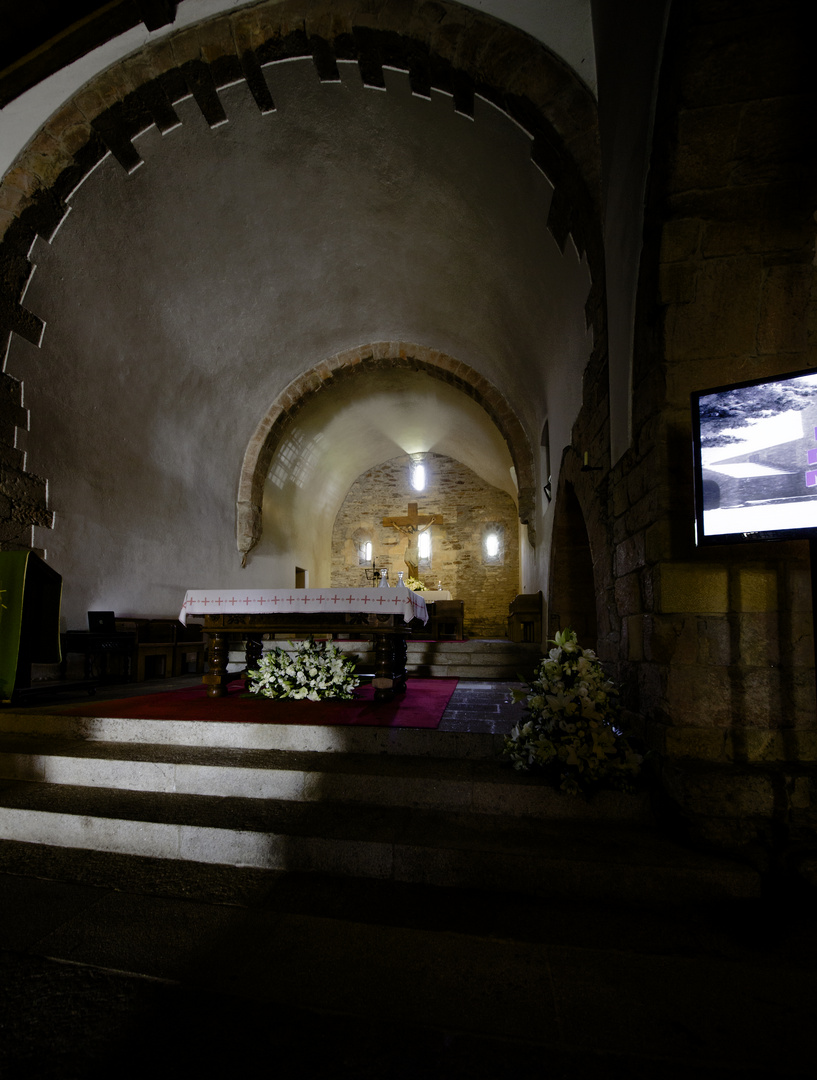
[
  {"x": 572, "y": 735},
  {"x": 414, "y": 584},
  {"x": 314, "y": 671}
]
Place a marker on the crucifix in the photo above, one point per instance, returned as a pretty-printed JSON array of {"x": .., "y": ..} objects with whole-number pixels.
[{"x": 412, "y": 525}]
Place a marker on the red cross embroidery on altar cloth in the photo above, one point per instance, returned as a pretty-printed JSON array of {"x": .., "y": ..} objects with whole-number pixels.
[
  {"x": 291, "y": 600},
  {"x": 275, "y": 599},
  {"x": 336, "y": 599},
  {"x": 233, "y": 600}
]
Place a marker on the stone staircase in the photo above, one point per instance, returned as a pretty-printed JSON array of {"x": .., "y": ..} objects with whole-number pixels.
[
  {"x": 400, "y": 805},
  {"x": 478, "y": 658}
]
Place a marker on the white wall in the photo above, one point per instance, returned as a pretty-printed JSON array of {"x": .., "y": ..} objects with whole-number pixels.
[
  {"x": 180, "y": 300},
  {"x": 565, "y": 26}
]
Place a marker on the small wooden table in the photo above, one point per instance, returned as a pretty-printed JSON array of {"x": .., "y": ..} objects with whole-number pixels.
[{"x": 382, "y": 614}]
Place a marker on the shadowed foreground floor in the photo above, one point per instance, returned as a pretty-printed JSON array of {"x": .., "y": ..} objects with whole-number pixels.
[
  {"x": 475, "y": 705},
  {"x": 116, "y": 966},
  {"x": 132, "y": 967}
]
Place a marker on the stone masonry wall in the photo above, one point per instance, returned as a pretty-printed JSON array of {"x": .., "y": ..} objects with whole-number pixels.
[
  {"x": 23, "y": 496},
  {"x": 467, "y": 505},
  {"x": 715, "y": 646},
  {"x": 441, "y": 47}
]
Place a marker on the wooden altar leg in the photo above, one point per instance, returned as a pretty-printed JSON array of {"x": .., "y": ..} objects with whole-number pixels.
[
  {"x": 390, "y": 666},
  {"x": 383, "y": 681},
  {"x": 218, "y": 655},
  {"x": 400, "y": 657},
  {"x": 252, "y": 654}
]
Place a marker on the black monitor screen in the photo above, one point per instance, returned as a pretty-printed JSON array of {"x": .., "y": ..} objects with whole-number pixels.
[{"x": 755, "y": 455}]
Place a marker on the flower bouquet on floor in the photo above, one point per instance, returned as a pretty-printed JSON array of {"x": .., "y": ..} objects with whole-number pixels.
[
  {"x": 572, "y": 735},
  {"x": 312, "y": 671}
]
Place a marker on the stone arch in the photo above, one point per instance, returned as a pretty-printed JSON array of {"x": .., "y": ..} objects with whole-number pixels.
[
  {"x": 572, "y": 588},
  {"x": 357, "y": 363},
  {"x": 460, "y": 56},
  {"x": 442, "y": 47},
  {"x": 582, "y": 590}
]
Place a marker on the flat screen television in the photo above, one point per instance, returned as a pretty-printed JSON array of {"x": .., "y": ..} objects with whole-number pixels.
[{"x": 755, "y": 458}]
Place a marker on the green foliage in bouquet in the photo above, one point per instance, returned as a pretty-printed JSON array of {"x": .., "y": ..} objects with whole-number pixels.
[
  {"x": 315, "y": 671},
  {"x": 572, "y": 734}
]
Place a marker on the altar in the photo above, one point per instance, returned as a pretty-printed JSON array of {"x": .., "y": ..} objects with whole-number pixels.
[{"x": 384, "y": 615}]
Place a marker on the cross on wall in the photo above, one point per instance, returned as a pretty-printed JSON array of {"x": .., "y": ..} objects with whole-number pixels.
[{"x": 413, "y": 522}]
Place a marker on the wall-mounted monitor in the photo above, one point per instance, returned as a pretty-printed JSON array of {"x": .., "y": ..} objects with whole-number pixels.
[{"x": 755, "y": 457}]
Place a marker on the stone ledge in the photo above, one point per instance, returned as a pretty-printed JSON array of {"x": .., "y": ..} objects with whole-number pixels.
[{"x": 721, "y": 745}]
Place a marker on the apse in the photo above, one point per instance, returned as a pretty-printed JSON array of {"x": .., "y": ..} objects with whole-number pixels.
[
  {"x": 358, "y": 424},
  {"x": 182, "y": 298}
]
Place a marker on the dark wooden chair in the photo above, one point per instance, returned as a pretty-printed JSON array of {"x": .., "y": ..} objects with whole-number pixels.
[
  {"x": 106, "y": 650},
  {"x": 189, "y": 650},
  {"x": 111, "y": 648},
  {"x": 525, "y": 617},
  {"x": 446, "y": 621},
  {"x": 152, "y": 650}
]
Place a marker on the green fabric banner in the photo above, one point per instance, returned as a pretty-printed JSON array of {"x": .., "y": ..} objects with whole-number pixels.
[
  {"x": 13, "y": 565},
  {"x": 30, "y": 597}
]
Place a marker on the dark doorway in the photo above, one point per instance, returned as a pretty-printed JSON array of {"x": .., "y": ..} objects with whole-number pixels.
[{"x": 572, "y": 592}]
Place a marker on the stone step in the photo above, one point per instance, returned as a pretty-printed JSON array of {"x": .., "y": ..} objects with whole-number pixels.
[
  {"x": 464, "y": 666},
  {"x": 478, "y": 785},
  {"x": 618, "y": 862},
  {"x": 414, "y": 742},
  {"x": 478, "y": 658},
  {"x": 498, "y": 648},
  {"x": 365, "y": 958},
  {"x": 476, "y": 646}
]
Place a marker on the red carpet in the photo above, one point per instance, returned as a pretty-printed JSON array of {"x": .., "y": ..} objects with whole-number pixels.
[{"x": 422, "y": 706}]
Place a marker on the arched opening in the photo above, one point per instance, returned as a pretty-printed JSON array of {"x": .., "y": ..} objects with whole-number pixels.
[
  {"x": 572, "y": 591},
  {"x": 447, "y": 545},
  {"x": 424, "y": 401},
  {"x": 544, "y": 461},
  {"x": 223, "y": 259}
]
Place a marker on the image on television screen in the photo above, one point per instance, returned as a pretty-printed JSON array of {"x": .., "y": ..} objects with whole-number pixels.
[{"x": 757, "y": 458}]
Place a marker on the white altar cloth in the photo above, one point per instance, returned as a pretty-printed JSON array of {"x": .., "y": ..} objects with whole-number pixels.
[
  {"x": 397, "y": 601},
  {"x": 432, "y": 595}
]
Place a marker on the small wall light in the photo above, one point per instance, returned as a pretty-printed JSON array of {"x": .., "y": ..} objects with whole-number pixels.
[{"x": 587, "y": 467}]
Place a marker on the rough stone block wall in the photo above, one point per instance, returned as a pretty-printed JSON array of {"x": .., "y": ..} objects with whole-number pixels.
[
  {"x": 467, "y": 504},
  {"x": 715, "y": 645},
  {"x": 23, "y": 496}
]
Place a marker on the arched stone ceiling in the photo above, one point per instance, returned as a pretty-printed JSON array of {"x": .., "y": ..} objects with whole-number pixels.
[
  {"x": 394, "y": 412},
  {"x": 122, "y": 127},
  {"x": 57, "y": 70},
  {"x": 347, "y": 215},
  {"x": 240, "y": 246},
  {"x": 363, "y": 422},
  {"x": 365, "y": 406}
]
